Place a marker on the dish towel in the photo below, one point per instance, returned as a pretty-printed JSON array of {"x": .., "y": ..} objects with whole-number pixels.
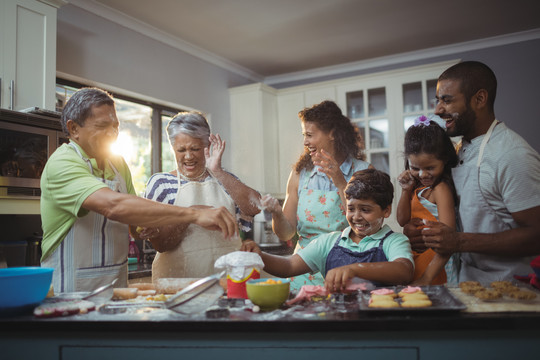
[{"x": 533, "y": 278}]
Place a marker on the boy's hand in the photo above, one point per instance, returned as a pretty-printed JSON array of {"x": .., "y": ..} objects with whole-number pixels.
[
  {"x": 250, "y": 246},
  {"x": 338, "y": 278}
]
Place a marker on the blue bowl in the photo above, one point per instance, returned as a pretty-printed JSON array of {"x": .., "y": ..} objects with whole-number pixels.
[{"x": 23, "y": 286}]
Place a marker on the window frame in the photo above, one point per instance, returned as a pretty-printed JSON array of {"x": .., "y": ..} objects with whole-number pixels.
[{"x": 158, "y": 111}]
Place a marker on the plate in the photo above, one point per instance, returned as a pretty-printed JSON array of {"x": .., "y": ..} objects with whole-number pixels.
[{"x": 441, "y": 298}]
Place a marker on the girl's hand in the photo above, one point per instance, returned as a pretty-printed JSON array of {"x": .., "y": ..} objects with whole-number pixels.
[
  {"x": 407, "y": 181},
  {"x": 271, "y": 204},
  {"x": 214, "y": 152}
]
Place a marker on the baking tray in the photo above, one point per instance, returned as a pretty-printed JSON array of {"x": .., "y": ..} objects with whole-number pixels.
[{"x": 442, "y": 301}]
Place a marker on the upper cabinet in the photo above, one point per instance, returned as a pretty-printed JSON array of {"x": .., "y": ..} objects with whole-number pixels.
[{"x": 28, "y": 54}]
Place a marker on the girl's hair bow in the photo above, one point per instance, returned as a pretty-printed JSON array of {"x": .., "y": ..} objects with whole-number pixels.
[{"x": 421, "y": 120}]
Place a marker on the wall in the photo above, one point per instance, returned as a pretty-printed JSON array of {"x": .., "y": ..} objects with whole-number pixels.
[
  {"x": 516, "y": 68},
  {"x": 94, "y": 48}
]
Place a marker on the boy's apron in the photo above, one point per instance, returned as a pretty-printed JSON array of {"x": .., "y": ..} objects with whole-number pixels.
[
  {"x": 340, "y": 256},
  {"x": 422, "y": 259},
  {"x": 194, "y": 257},
  {"x": 95, "y": 250},
  {"x": 318, "y": 212},
  {"x": 477, "y": 216}
]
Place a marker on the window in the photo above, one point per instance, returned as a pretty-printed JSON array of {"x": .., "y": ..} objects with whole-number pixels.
[{"x": 142, "y": 139}]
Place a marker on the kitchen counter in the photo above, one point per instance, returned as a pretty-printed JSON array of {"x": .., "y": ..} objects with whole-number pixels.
[{"x": 315, "y": 331}]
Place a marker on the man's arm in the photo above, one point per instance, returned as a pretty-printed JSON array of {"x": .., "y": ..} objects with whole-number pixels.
[
  {"x": 521, "y": 241},
  {"x": 133, "y": 210}
]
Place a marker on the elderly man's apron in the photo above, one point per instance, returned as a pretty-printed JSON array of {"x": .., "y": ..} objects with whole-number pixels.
[
  {"x": 477, "y": 216},
  {"x": 95, "y": 250},
  {"x": 320, "y": 212},
  {"x": 194, "y": 257}
]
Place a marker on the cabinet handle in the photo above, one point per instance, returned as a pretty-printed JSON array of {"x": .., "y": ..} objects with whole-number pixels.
[
  {"x": 11, "y": 94},
  {"x": 0, "y": 92}
]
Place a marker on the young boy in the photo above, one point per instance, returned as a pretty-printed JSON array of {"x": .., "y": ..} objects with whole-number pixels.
[{"x": 366, "y": 249}]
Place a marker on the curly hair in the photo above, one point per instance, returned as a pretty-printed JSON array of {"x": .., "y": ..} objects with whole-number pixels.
[
  {"x": 432, "y": 139},
  {"x": 371, "y": 184},
  {"x": 327, "y": 116}
]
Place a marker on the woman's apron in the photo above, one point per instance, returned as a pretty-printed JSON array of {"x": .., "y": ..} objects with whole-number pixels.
[
  {"x": 477, "y": 216},
  {"x": 194, "y": 257},
  {"x": 422, "y": 259},
  {"x": 340, "y": 256},
  {"x": 95, "y": 250},
  {"x": 318, "y": 212}
]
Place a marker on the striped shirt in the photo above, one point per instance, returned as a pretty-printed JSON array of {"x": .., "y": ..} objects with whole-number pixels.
[{"x": 163, "y": 187}]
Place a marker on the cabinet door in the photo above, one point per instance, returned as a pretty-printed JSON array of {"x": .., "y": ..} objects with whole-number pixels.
[
  {"x": 367, "y": 107},
  {"x": 28, "y": 54}
]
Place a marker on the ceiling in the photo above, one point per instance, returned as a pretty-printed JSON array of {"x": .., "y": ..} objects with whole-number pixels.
[{"x": 274, "y": 37}]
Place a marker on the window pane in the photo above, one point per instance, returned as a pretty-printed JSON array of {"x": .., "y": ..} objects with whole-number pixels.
[
  {"x": 361, "y": 125},
  {"x": 380, "y": 162},
  {"x": 63, "y": 93},
  {"x": 377, "y": 101},
  {"x": 378, "y": 133},
  {"x": 408, "y": 121},
  {"x": 355, "y": 105},
  {"x": 168, "y": 163},
  {"x": 431, "y": 92},
  {"x": 412, "y": 97},
  {"x": 134, "y": 140}
]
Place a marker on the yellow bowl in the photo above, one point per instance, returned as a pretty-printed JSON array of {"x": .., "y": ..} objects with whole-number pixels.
[{"x": 268, "y": 296}]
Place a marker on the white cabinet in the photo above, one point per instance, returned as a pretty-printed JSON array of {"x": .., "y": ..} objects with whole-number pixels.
[
  {"x": 254, "y": 136},
  {"x": 27, "y": 54}
]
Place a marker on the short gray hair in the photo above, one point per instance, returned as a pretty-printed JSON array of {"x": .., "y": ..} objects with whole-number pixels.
[
  {"x": 191, "y": 123},
  {"x": 79, "y": 106}
]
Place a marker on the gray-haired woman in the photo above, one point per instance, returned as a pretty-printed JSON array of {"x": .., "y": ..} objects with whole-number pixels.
[{"x": 198, "y": 181}]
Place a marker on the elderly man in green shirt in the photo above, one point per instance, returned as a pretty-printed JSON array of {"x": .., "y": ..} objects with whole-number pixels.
[{"x": 89, "y": 206}]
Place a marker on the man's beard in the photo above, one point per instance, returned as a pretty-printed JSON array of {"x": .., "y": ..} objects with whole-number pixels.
[{"x": 463, "y": 124}]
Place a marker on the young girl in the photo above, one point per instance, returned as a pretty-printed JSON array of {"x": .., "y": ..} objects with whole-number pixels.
[{"x": 428, "y": 193}]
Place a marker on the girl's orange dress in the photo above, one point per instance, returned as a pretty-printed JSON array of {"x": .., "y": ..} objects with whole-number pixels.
[{"x": 422, "y": 260}]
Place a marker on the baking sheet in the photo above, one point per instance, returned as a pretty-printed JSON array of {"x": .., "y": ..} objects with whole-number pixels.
[
  {"x": 442, "y": 300},
  {"x": 503, "y": 304}
]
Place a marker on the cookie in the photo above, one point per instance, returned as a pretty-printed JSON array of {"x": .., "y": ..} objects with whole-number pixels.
[
  {"x": 410, "y": 290},
  {"x": 500, "y": 284},
  {"x": 522, "y": 295},
  {"x": 415, "y": 296},
  {"x": 486, "y": 294},
  {"x": 504, "y": 287},
  {"x": 470, "y": 287},
  {"x": 377, "y": 297},
  {"x": 383, "y": 304},
  {"x": 414, "y": 303},
  {"x": 384, "y": 291}
]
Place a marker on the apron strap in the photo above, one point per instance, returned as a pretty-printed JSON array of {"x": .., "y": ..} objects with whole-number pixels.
[{"x": 485, "y": 141}]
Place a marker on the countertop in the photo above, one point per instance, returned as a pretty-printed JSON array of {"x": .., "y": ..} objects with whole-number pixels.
[
  {"x": 317, "y": 330},
  {"x": 337, "y": 313}
]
